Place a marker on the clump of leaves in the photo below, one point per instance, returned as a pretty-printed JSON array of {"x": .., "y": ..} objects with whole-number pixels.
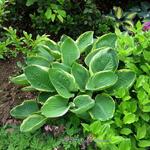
[
  {"x": 105, "y": 137},
  {"x": 68, "y": 81},
  {"x": 123, "y": 20},
  {"x": 132, "y": 113}
]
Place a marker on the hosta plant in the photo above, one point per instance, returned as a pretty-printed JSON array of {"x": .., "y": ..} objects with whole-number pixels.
[{"x": 71, "y": 76}]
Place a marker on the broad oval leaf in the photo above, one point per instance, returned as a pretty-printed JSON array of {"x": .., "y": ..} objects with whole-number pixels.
[
  {"x": 70, "y": 51},
  {"x": 20, "y": 80},
  {"x": 42, "y": 52},
  {"x": 55, "y": 106},
  {"x": 84, "y": 40},
  {"x": 81, "y": 75},
  {"x": 104, "y": 107},
  {"x": 61, "y": 66},
  {"x": 38, "y": 60},
  {"x": 63, "y": 82},
  {"x": 101, "y": 80},
  {"x": 82, "y": 104},
  {"x": 91, "y": 55},
  {"x": 107, "y": 40},
  {"x": 25, "y": 109},
  {"x": 104, "y": 60},
  {"x": 32, "y": 123},
  {"x": 126, "y": 79},
  {"x": 38, "y": 77}
]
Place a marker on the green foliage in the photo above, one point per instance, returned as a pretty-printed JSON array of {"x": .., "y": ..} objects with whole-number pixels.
[
  {"x": 70, "y": 137},
  {"x": 123, "y": 20},
  {"x": 143, "y": 10},
  {"x": 131, "y": 119},
  {"x": 73, "y": 86},
  {"x": 11, "y": 44},
  {"x": 54, "y": 10},
  {"x": 105, "y": 137}
]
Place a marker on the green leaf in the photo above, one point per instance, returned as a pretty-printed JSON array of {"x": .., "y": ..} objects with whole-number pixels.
[
  {"x": 43, "y": 96},
  {"x": 144, "y": 143},
  {"x": 118, "y": 12},
  {"x": 20, "y": 80},
  {"x": 129, "y": 118},
  {"x": 25, "y": 109},
  {"x": 70, "y": 51},
  {"x": 126, "y": 131},
  {"x": 89, "y": 57},
  {"x": 63, "y": 82},
  {"x": 84, "y": 40},
  {"x": 141, "y": 131},
  {"x": 107, "y": 40},
  {"x": 48, "y": 13},
  {"x": 82, "y": 104},
  {"x": 30, "y": 2},
  {"x": 38, "y": 77},
  {"x": 104, "y": 108},
  {"x": 60, "y": 18},
  {"x": 55, "y": 106},
  {"x": 126, "y": 79},
  {"x": 32, "y": 123},
  {"x": 38, "y": 60},
  {"x": 101, "y": 80},
  {"x": 105, "y": 59},
  {"x": 28, "y": 89},
  {"x": 81, "y": 75},
  {"x": 61, "y": 66}
]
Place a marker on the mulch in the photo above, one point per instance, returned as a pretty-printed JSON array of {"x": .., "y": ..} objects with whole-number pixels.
[{"x": 10, "y": 94}]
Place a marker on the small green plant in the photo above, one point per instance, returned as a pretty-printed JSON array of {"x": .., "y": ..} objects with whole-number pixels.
[
  {"x": 68, "y": 81},
  {"x": 123, "y": 20},
  {"x": 131, "y": 118},
  {"x": 105, "y": 137},
  {"x": 53, "y": 10}
]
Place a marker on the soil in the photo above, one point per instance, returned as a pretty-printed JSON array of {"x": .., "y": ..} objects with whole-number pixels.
[{"x": 10, "y": 94}]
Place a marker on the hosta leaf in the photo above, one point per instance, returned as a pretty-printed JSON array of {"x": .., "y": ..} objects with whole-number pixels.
[
  {"x": 55, "y": 106},
  {"x": 84, "y": 40},
  {"x": 20, "y": 80},
  {"x": 101, "y": 80},
  {"x": 104, "y": 107},
  {"x": 28, "y": 89},
  {"x": 107, "y": 40},
  {"x": 32, "y": 123},
  {"x": 81, "y": 75},
  {"x": 126, "y": 79},
  {"x": 39, "y": 78},
  {"x": 91, "y": 55},
  {"x": 82, "y": 104},
  {"x": 43, "y": 52},
  {"x": 43, "y": 96},
  {"x": 70, "y": 51},
  {"x": 118, "y": 12},
  {"x": 104, "y": 60},
  {"x": 63, "y": 82},
  {"x": 61, "y": 66},
  {"x": 38, "y": 60},
  {"x": 54, "y": 53},
  {"x": 25, "y": 109}
]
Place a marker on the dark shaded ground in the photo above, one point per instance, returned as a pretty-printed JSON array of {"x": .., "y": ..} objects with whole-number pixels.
[{"x": 10, "y": 94}]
